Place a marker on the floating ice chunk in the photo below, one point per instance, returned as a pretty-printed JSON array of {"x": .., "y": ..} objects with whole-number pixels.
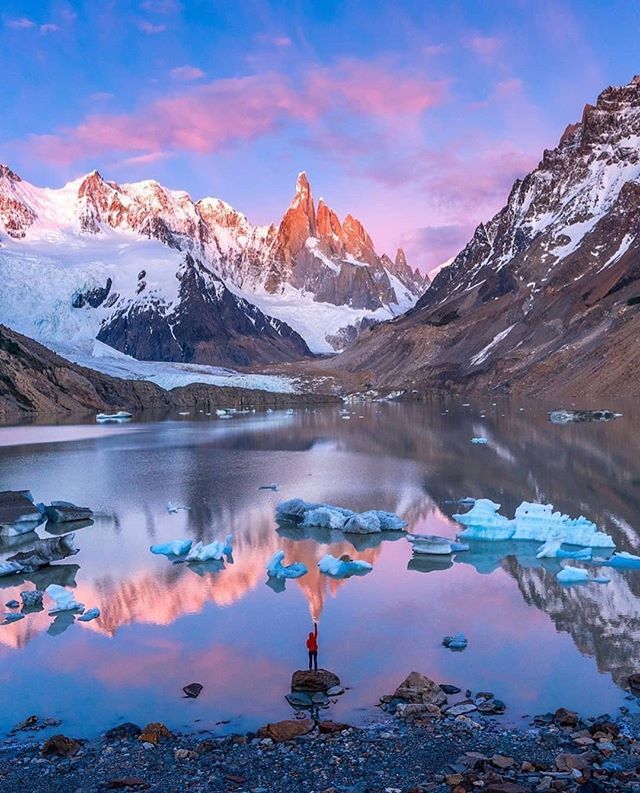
[
  {"x": 10, "y": 568},
  {"x": 173, "y": 508},
  {"x": 173, "y": 548},
  {"x": 430, "y": 543},
  {"x": 344, "y": 567},
  {"x": 205, "y": 553},
  {"x": 623, "y": 560},
  {"x": 90, "y": 614},
  {"x": 531, "y": 522},
  {"x": 576, "y": 575},
  {"x": 313, "y": 515},
  {"x": 275, "y": 568},
  {"x": 479, "y": 441},
  {"x": 568, "y": 416},
  {"x": 456, "y": 642},
  {"x": 484, "y": 523},
  {"x": 326, "y": 517},
  {"x": 227, "y": 548},
  {"x": 63, "y": 599},
  {"x": 272, "y": 486},
  {"x": 121, "y": 415}
]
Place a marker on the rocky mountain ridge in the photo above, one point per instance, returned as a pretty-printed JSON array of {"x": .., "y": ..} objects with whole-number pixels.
[
  {"x": 310, "y": 256},
  {"x": 545, "y": 295}
]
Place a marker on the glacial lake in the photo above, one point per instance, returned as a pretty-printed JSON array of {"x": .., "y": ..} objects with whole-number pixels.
[{"x": 534, "y": 643}]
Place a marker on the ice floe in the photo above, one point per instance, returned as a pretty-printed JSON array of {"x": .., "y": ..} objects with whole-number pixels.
[
  {"x": 63, "y": 599},
  {"x": 576, "y": 575},
  {"x": 215, "y": 550},
  {"x": 312, "y": 515},
  {"x": 479, "y": 441},
  {"x": 121, "y": 415},
  {"x": 531, "y": 522},
  {"x": 456, "y": 642},
  {"x": 432, "y": 544},
  {"x": 344, "y": 567},
  {"x": 552, "y": 549},
  {"x": 173, "y": 508},
  {"x": 89, "y": 614},
  {"x": 275, "y": 568},
  {"x": 623, "y": 560},
  {"x": 173, "y": 548}
]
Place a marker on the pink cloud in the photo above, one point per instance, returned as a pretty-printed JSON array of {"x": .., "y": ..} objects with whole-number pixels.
[
  {"x": 148, "y": 27},
  {"x": 49, "y": 27},
  {"x": 21, "y": 23},
  {"x": 485, "y": 46},
  {"x": 275, "y": 41},
  {"x": 186, "y": 73},
  {"x": 228, "y": 111}
]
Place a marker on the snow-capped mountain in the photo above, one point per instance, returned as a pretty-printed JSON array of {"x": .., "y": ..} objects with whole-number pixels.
[
  {"x": 547, "y": 293},
  {"x": 158, "y": 276}
]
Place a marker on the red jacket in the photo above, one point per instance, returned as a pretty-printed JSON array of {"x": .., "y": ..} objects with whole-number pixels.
[{"x": 312, "y": 641}]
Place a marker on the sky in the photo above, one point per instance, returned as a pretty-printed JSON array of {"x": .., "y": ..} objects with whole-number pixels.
[{"x": 415, "y": 116}]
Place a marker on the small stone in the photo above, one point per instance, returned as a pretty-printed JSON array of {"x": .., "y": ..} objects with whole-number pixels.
[
  {"x": 502, "y": 761},
  {"x": 125, "y": 730},
  {"x": 461, "y": 709},
  {"x": 128, "y": 782},
  {"x": 184, "y": 754},
  {"x": 453, "y": 779},
  {"x": 448, "y": 689},
  {"x": 153, "y": 732},
  {"x": 565, "y": 718},
  {"x": 193, "y": 690}
]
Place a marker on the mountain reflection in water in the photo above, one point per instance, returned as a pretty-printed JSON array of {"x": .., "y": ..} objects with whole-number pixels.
[{"x": 533, "y": 642}]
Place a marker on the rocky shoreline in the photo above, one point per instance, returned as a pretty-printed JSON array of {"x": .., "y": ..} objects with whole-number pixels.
[{"x": 414, "y": 746}]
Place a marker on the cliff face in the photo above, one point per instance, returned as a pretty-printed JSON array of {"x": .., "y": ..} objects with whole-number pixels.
[
  {"x": 546, "y": 295},
  {"x": 34, "y": 380}
]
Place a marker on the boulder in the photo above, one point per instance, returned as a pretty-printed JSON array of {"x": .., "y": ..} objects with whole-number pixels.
[
  {"x": 565, "y": 718},
  {"x": 60, "y": 746},
  {"x": 18, "y": 513},
  {"x": 330, "y": 727},
  {"x": 66, "y": 512},
  {"x": 125, "y": 730},
  {"x": 322, "y": 680},
  {"x": 287, "y": 730},
  {"x": 43, "y": 552},
  {"x": 420, "y": 689},
  {"x": 153, "y": 732}
]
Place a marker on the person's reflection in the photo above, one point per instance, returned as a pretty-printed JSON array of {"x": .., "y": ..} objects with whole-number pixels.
[{"x": 312, "y": 647}]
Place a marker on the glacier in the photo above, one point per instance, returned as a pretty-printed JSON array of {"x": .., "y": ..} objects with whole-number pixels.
[{"x": 531, "y": 522}]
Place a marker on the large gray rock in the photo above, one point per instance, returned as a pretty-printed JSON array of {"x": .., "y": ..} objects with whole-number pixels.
[
  {"x": 18, "y": 513},
  {"x": 322, "y": 680},
  {"x": 43, "y": 552},
  {"x": 66, "y": 512},
  {"x": 420, "y": 689}
]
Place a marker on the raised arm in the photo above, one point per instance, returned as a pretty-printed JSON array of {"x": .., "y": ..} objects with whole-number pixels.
[{"x": 315, "y": 626}]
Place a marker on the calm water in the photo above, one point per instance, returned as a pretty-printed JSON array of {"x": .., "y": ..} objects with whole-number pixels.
[{"x": 533, "y": 643}]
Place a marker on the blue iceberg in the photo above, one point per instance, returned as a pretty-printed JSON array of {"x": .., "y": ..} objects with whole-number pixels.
[
  {"x": 275, "y": 568},
  {"x": 344, "y": 567}
]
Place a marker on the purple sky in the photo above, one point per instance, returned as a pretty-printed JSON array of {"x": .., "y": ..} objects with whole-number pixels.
[{"x": 414, "y": 116}]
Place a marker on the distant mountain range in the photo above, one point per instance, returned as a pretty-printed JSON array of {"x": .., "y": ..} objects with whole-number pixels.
[
  {"x": 157, "y": 276},
  {"x": 546, "y": 296}
]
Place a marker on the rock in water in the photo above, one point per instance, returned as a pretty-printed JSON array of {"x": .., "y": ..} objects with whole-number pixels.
[
  {"x": 18, "y": 513},
  {"x": 66, "y": 512},
  {"x": 322, "y": 680},
  {"x": 43, "y": 552},
  {"x": 193, "y": 690},
  {"x": 418, "y": 688},
  {"x": 125, "y": 730},
  {"x": 281, "y": 731},
  {"x": 565, "y": 718},
  {"x": 457, "y": 642}
]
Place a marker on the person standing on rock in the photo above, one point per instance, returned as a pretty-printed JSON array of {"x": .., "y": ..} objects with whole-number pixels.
[{"x": 312, "y": 647}]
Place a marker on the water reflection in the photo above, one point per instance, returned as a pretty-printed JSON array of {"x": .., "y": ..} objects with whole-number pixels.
[{"x": 163, "y": 624}]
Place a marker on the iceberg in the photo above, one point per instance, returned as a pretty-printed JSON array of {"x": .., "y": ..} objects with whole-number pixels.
[
  {"x": 479, "y": 441},
  {"x": 63, "y": 599},
  {"x": 9, "y": 618},
  {"x": 344, "y": 567},
  {"x": 275, "y": 568},
  {"x": 623, "y": 560},
  {"x": 214, "y": 550},
  {"x": 531, "y": 522},
  {"x": 173, "y": 548},
  {"x": 576, "y": 575},
  {"x": 456, "y": 642},
  {"x": 327, "y": 516},
  {"x": 90, "y": 614},
  {"x": 173, "y": 508}
]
